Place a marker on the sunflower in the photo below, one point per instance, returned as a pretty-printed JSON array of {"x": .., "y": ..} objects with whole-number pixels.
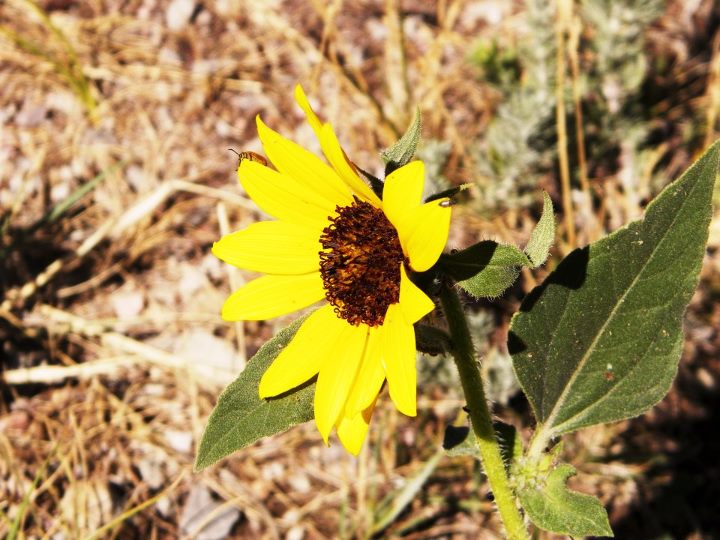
[{"x": 334, "y": 239}]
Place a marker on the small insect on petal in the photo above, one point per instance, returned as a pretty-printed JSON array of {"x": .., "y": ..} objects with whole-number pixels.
[{"x": 251, "y": 156}]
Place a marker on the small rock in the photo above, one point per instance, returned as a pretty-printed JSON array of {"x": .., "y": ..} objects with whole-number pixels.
[
  {"x": 296, "y": 533},
  {"x": 705, "y": 378},
  {"x": 86, "y": 504},
  {"x": 31, "y": 115},
  {"x": 272, "y": 471},
  {"x": 180, "y": 441},
  {"x": 127, "y": 303},
  {"x": 300, "y": 483},
  {"x": 178, "y": 13},
  {"x": 197, "y": 507},
  {"x": 207, "y": 353}
]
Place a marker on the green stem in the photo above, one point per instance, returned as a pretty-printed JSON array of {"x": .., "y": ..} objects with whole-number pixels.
[{"x": 464, "y": 353}]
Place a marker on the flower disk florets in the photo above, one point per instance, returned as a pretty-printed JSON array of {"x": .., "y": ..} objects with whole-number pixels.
[{"x": 360, "y": 263}]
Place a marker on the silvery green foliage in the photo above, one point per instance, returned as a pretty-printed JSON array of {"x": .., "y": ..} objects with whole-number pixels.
[
  {"x": 500, "y": 381},
  {"x": 496, "y": 364},
  {"x": 616, "y": 116},
  {"x": 511, "y": 154},
  {"x": 519, "y": 144},
  {"x": 618, "y": 39},
  {"x": 434, "y": 154}
]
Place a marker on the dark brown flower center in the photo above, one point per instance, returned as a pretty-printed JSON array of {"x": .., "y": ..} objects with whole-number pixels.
[{"x": 360, "y": 263}]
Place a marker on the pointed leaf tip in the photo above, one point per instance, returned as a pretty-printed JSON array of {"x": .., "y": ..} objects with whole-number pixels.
[
  {"x": 404, "y": 149},
  {"x": 240, "y": 417},
  {"x": 541, "y": 239}
]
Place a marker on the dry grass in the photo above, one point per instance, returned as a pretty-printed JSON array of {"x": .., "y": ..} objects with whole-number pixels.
[{"x": 113, "y": 351}]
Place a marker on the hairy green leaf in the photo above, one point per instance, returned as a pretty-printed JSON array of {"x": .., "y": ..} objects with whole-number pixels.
[
  {"x": 553, "y": 507},
  {"x": 600, "y": 339},
  {"x": 240, "y": 417},
  {"x": 538, "y": 247},
  {"x": 487, "y": 268},
  {"x": 403, "y": 151}
]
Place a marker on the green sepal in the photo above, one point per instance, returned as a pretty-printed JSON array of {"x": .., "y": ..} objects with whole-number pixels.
[
  {"x": 375, "y": 183},
  {"x": 240, "y": 417},
  {"x": 403, "y": 151},
  {"x": 448, "y": 193},
  {"x": 431, "y": 340}
]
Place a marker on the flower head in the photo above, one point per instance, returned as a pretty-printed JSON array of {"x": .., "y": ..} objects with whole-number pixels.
[{"x": 335, "y": 239}]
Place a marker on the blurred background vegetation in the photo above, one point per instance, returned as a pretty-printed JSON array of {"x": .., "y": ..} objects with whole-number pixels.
[{"x": 115, "y": 179}]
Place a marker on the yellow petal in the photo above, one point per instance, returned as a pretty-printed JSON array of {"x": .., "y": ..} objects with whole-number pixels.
[
  {"x": 304, "y": 355},
  {"x": 370, "y": 376},
  {"x": 424, "y": 234},
  {"x": 312, "y": 118},
  {"x": 272, "y": 247},
  {"x": 271, "y": 296},
  {"x": 293, "y": 160},
  {"x": 402, "y": 192},
  {"x": 333, "y": 151},
  {"x": 414, "y": 303},
  {"x": 399, "y": 359},
  {"x": 337, "y": 158},
  {"x": 282, "y": 196},
  {"x": 337, "y": 376},
  {"x": 352, "y": 430}
]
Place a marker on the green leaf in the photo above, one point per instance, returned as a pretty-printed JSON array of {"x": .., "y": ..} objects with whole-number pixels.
[
  {"x": 600, "y": 339},
  {"x": 240, "y": 417},
  {"x": 403, "y": 151},
  {"x": 491, "y": 282},
  {"x": 486, "y": 268},
  {"x": 553, "y": 507},
  {"x": 542, "y": 237}
]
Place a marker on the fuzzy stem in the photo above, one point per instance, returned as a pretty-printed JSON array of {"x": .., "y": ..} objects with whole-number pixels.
[{"x": 464, "y": 353}]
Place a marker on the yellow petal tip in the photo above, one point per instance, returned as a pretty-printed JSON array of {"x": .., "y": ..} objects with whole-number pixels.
[
  {"x": 263, "y": 390},
  {"x": 300, "y": 96}
]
